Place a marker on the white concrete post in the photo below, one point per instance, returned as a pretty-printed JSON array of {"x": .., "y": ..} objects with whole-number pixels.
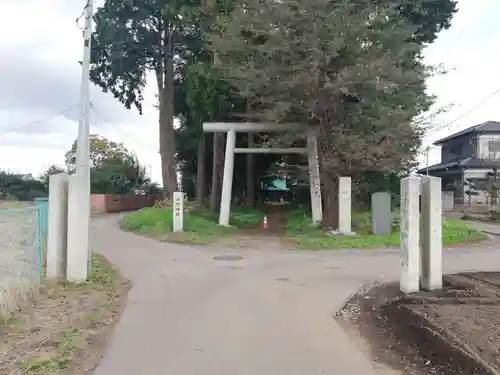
[
  {"x": 178, "y": 211},
  {"x": 410, "y": 251},
  {"x": 314, "y": 181},
  {"x": 431, "y": 234},
  {"x": 345, "y": 205},
  {"x": 227, "y": 182},
  {"x": 77, "y": 262},
  {"x": 57, "y": 226}
]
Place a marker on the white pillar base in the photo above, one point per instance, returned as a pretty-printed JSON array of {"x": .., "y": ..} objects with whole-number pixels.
[
  {"x": 57, "y": 226},
  {"x": 78, "y": 229},
  {"x": 431, "y": 234}
]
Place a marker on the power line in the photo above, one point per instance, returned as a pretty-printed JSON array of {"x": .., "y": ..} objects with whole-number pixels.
[
  {"x": 99, "y": 114},
  {"x": 82, "y": 15},
  {"x": 468, "y": 111},
  {"x": 38, "y": 121}
]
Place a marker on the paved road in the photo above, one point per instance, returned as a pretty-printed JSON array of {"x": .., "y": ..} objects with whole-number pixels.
[
  {"x": 269, "y": 313},
  {"x": 486, "y": 227}
]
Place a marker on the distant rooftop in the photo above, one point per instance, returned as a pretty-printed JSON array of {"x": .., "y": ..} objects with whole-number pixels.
[{"x": 485, "y": 127}]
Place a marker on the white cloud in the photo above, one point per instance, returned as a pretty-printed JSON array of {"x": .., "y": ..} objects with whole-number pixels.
[
  {"x": 468, "y": 51},
  {"x": 40, "y": 77}
]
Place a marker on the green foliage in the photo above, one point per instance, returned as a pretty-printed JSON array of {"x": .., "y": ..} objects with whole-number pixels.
[
  {"x": 102, "y": 151},
  {"x": 52, "y": 170},
  {"x": 354, "y": 72},
  {"x": 309, "y": 236},
  {"x": 20, "y": 187},
  {"x": 200, "y": 226},
  {"x": 375, "y": 181},
  {"x": 114, "y": 169},
  {"x": 350, "y": 70},
  {"x": 158, "y": 222},
  {"x": 129, "y": 39},
  {"x": 135, "y": 37}
]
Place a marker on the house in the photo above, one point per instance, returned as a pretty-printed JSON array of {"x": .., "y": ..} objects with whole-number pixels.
[{"x": 468, "y": 160}]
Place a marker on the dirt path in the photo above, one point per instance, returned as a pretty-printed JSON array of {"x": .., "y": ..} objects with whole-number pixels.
[
  {"x": 276, "y": 222},
  {"x": 258, "y": 237}
]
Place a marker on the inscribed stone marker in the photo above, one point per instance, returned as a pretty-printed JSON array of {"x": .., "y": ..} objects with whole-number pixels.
[
  {"x": 178, "y": 211},
  {"x": 381, "y": 214},
  {"x": 345, "y": 205}
]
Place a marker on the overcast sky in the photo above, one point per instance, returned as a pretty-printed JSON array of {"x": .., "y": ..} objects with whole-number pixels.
[{"x": 40, "y": 77}]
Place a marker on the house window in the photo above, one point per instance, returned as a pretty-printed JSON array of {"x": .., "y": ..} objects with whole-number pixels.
[{"x": 494, "y": 149}]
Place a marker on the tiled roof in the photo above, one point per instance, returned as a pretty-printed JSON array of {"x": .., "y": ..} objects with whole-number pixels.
[
  {"x": 462, "y": 163},
  {"x": 485, "y": 127}
]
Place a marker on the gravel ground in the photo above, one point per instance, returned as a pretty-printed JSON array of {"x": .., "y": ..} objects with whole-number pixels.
[{"x": 19, "y": 271}]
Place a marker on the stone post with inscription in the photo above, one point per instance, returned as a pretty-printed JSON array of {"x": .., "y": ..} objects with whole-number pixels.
[
  {"x": 410, "y": 251},
  {"x": 178, "y": 212},
  {"x": 345, "y": 205}
]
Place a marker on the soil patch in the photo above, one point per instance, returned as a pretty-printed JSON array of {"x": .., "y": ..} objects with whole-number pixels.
[
  {"x": 64, "y": 328},
  {"x": 452, "y": 331}
]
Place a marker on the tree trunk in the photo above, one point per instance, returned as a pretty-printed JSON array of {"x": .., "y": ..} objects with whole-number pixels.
[
  {"x": 328, "y": 177},
  {"x": 330, "y": 202},
  {"x": 167, "y": 155},
  {"x": 165, "y": 81},
  {"x": 200, "y": 172},
  {"x": 217, "y": 172},
  {"x": 250, "y": 174}
]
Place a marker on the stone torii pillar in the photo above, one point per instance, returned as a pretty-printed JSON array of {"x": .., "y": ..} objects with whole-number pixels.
[
  {"x": 246, "y": 127},
  {"x": 227, "y": 182}
]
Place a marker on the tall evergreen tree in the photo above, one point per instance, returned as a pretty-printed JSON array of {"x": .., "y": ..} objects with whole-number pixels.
[
  {"x": 349, "y": 70},
  {"x": 134, "y": 37}
]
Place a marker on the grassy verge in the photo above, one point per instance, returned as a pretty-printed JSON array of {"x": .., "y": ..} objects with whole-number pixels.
[
  {"x": 308, "y": 236},
  {"x": 64, "y": 328},
  {"x": 200, "y": 226}
]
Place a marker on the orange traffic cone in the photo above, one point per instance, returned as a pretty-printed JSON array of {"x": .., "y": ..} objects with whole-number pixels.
[{"x": 265, "y": 222}]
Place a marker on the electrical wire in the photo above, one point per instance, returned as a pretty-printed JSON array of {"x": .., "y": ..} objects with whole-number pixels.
[
  {"x": 99, "y": 114},
  {"x": 468, "y": 111},
  {"x": 82, "y": 15},
  {"x": 38, "y": 121}
]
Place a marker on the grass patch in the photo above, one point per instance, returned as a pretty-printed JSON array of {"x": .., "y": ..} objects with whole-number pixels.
[
  {"x": 63, "y": 329},
  {"x": 200, "y": 226},
  {"x": 307, "y": 235}
]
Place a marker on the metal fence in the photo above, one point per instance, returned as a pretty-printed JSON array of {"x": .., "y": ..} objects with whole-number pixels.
[{"x": 23, "y": 234}]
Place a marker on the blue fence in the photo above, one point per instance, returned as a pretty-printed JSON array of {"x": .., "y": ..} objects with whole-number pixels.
[
  {"x": 23, "y": 246},
  {"x": 42, "y": 226}
]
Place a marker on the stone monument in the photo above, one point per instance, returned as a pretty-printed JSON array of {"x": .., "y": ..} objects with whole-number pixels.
[
  {"x": 345, "y": 206},
  {"x": 178, "y": 211},
  {"x": 381, "y": 214}
]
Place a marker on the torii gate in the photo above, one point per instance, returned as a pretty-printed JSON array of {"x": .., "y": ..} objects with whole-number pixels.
[{"x": 250, "y": 127}]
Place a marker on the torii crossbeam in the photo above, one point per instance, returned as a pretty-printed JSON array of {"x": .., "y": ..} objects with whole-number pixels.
[{"x": 253, "y": 127}]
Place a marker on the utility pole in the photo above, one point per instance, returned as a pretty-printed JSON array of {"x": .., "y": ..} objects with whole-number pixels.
[
  {"x": 427, "y": 160},
  {"x": 82, "y": 153},
  {"x": 79, "y": 253}
]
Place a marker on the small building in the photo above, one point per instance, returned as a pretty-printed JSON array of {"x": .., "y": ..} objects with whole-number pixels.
[
  {"x": 275, "y": 188},
  {"x": 468, "y": 160}
]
